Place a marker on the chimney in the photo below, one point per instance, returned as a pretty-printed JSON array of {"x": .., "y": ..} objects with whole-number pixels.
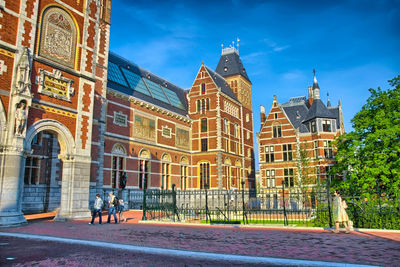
[{"x": 262, "y": 111}]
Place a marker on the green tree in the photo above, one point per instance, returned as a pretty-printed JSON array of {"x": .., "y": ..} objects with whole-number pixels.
[{"x": 368, "y": 158}]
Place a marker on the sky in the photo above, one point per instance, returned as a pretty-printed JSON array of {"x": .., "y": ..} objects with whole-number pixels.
[{"x": 352, "y": 45}]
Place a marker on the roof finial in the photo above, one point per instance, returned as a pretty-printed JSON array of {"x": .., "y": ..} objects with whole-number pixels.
[
  {"x": 237, "y": 44},
  {"x": 222, "y": 47},
  {"x": 328, "y": 104}
]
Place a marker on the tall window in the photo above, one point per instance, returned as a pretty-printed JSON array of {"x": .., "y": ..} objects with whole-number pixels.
[
  {"x": 207, "y": 104},
  {"x": 226, "y": 125},
  {"x": 316, "y": 149},
  {"x": 32, "y": 170},
  {"x": 184, "y": 177},
  {"x": 198, "y": 106},
  {"x": 203, "y": 88},
  {"x": 287, "y": 152},
  {"x": 204, "y": 145},
  {"x": 269, "y": 154},
  {"x": 105, "y": 10},
  {"x": 166, "y": 175},
  {"x": 143, "y": 173},
  {"x": 288, "y": 177},
  {"x": 270, "y": 178},
  {"x": 118, "y": 168},
  {"x": 313, "y": 126},
  {"x": 204, "y": 175},
  {"x": 204, "y": 125},
  {"x": 203, "y": 106},
  {"x": 326, "y": 125},
  {"x": 277, "y": 131},
  {"x": 328, "y": 149}
]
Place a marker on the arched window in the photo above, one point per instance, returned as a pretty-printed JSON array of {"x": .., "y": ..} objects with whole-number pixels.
[
  {"x": 118, "y": 163},
  {"x": 203, "y": 88},
  {"x": 204, "y": 171},
  {"x": 227, "y": 172},
  {"x": 199, "y": 106},
  {"x": 58, "y": 36},
  {"x": 184, "y": 173},
  {"x": 166, "y": 172},
  {"x": 203, "y": 106},
  {"x": 144, "y": 169}
]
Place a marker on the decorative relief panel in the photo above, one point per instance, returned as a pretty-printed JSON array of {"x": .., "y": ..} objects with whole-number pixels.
[
  {"x": 58, "y": 37},
  {"x": 182, "y": 138},
  {"x": 145, "y": 128},
  {"x": 166, "y": 132},
  {"x": 120, "y": 119},
  {"x": 231, "y": 109},
  {"x": 54, "y": 85}
]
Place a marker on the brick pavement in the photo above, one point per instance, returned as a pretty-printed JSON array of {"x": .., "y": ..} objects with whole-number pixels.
[{"x": 372, "y": 247}]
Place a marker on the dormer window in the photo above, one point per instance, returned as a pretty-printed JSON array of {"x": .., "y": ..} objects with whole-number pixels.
[
  {"x": 313, "y": 126},
  {"x": 326, "y": 126}
]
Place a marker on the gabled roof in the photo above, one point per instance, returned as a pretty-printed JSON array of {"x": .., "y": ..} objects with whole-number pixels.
[
  {"x": 221, "y": 83},
  {"x": 128, "y": 78},
  {"x": 230, "y": 64},
  {"x": 318, "y": 110}
]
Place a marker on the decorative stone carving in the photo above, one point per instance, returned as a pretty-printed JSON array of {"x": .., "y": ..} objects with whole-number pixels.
[
  {"x": 23, "y": 75},
  {"x": 20, "y": 118},
  {"x": 54, "y": 85},
  {"x": 58, "y": 37}
]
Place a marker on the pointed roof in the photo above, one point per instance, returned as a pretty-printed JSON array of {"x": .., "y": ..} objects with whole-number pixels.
[
  {"x": 315, "y": 83},
  {"x": 230, "y": 64},
  {"x": 221, "y": 83},
  {"x": 318, "y": 110}
]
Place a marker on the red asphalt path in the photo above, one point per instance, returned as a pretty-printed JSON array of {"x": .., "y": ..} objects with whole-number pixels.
[{"x": 379, "y": 248}]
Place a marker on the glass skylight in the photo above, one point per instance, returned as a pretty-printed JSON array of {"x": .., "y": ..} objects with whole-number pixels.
[
  {"x": 135, "y": 82},
  {"x": 114, "y": 74},
  {"x": 156, "y": 91},
  {"x": 173, "y": 98}
]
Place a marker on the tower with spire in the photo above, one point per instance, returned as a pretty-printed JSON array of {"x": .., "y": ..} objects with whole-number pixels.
[{"x": 231, "y": 68}]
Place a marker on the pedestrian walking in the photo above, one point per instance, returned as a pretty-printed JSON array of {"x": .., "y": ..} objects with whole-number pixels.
[
  {"x": 339, "y": 213},
  {"x": 112, "y": 207},
  {"x": 121, "y": 209},
  {"x": 98, "y": 205}
]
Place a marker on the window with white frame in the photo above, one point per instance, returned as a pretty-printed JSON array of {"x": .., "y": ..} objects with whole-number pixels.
[
  {"x": 326, "y": 126},
  {"x": 204, "y": 175},
  {"x": 313, "y": 126},
  {"x": 270, "y": 178},
  {"x": 269, "y": 154},
  {"x": 277, "y": 131},
  {"x": 328, "y": 152},
  {"x": 247, "y": 117},
  {"x": 316, "y": 153},
  {"x": 289, "y": 177},
  {"x": 287, "y": 152}
]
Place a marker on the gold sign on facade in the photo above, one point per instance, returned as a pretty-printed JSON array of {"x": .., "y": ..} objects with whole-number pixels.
[{"x": 54, "y": 85}]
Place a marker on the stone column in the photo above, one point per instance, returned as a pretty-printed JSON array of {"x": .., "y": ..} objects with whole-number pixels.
[
  {"x": 74, "y": 188},
  {"x": 12, "y": 164}
]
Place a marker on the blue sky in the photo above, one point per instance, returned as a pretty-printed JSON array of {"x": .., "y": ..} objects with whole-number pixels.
[{"x": 353, "y": 45}]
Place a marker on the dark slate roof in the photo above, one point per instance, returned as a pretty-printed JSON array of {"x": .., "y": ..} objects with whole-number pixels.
[
  {"x": 221, "y": 83},
  {"x": 296, "y": 115},
  {"x": 230, "y": 64},
  {"x": 335, "y": 112},
  {"x": 318, "y": 110},
  {"x": 124, "y": 63}
]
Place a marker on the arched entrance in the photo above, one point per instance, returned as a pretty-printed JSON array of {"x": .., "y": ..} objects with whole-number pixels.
[{"x": 74, "y": 170}]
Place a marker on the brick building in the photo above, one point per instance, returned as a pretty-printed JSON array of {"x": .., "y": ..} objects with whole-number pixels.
[
  {"x": 159, "y": 134},
  {"x": 301, "y": 124},
  {"x": 74, "y": 118},
  {"x": 53, "y": 77}
]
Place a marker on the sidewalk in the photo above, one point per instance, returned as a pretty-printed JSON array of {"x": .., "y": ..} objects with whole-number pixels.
[{"x": 366, "y": 247}]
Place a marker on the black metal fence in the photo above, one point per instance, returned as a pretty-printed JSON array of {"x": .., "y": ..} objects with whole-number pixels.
[{"x": 287, "y": 206}]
